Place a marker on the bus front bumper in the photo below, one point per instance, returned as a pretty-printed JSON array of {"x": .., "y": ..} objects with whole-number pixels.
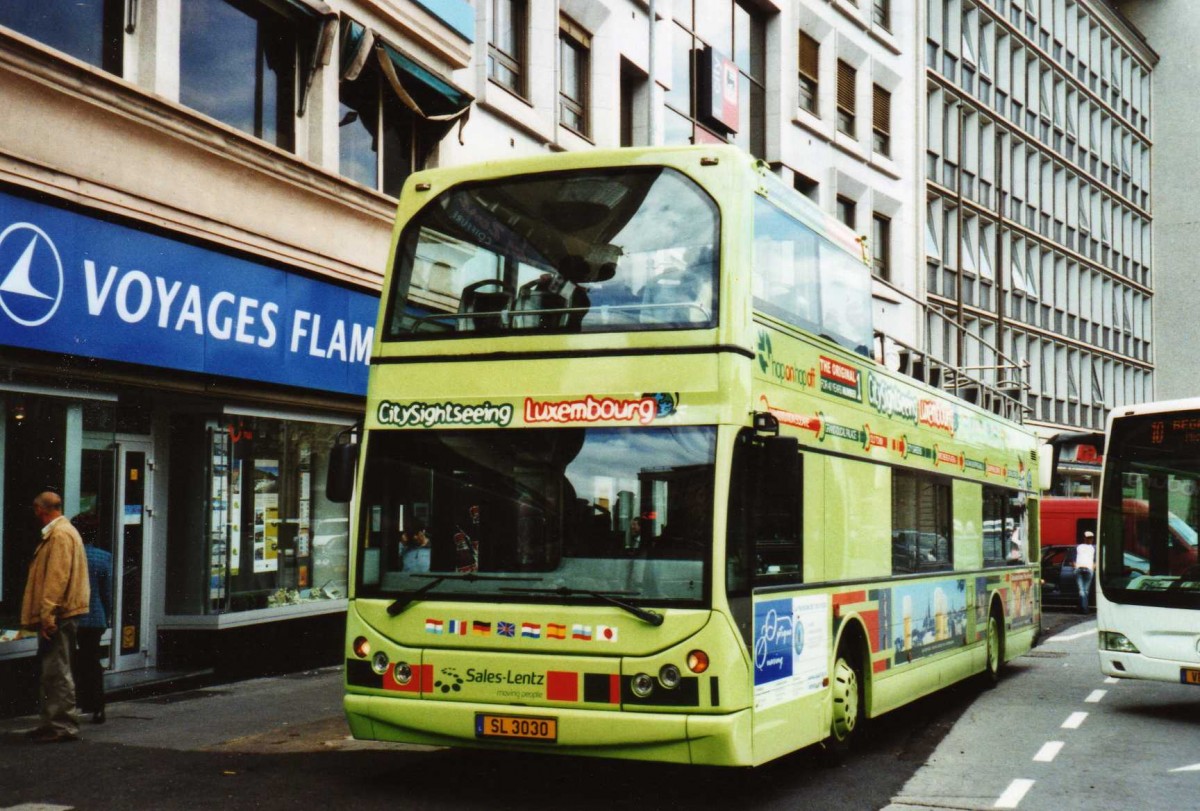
[
  {"x": 715, "y": 740},
  {"x": 1124, "y": 665}
]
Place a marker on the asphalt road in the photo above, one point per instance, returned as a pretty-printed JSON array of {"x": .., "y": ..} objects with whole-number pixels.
[{"x": 281, "y": 743}]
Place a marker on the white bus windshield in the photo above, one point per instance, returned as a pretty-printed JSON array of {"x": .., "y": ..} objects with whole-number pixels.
[
  {"x": 587, "y": 251},
  {"x": 535, "y": 515},
  {"x": 1151, "y": 511}
]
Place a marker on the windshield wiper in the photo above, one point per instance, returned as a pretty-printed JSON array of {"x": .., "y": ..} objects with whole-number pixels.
[
  {"x": 645, "y": 614},
  {"x": 403, "y": 602}
]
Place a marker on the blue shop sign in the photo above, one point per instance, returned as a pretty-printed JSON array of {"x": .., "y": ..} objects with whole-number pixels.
[{"x": 74, "y": 284}]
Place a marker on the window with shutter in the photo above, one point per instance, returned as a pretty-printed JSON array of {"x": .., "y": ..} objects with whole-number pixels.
[
  {"x": 809, "y": 51},
  {"x": 881, "y": 120},
  {"x": 845, "y": 97}
]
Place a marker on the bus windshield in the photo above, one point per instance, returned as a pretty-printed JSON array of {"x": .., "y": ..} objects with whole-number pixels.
[
  {"x": 583, "y": 251},
  {"x": 539, "y": 515},
  {"x": 1151, "y": 510}
]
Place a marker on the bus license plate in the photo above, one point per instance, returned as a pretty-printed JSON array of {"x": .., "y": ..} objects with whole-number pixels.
[
  {"x": 1189, "y": 675},
  {"x": 514, "y": 727}
]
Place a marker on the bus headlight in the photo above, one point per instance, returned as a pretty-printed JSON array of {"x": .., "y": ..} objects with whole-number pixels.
[
  {"x": 1111, "y": 640},
  {"x": 379, "y": 662},
  {"x": 669, "y": 677},
  {"x": 402, "y": 673},
  {"x": 642, "y": 685}
]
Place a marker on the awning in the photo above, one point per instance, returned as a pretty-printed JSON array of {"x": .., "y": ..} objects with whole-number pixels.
[{"x": 420, "y": 89}]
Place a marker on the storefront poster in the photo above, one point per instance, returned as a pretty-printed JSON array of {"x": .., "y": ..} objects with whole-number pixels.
[
  {"x": 266, "y": 515},
  {"x": 791, "y": 648}
]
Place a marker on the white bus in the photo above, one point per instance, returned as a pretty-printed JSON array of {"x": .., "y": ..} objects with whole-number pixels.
[{"x": 1148, "y": 595}]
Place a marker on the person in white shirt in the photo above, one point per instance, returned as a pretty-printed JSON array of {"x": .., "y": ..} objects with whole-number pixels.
[{"x": 1085, "y": 567}]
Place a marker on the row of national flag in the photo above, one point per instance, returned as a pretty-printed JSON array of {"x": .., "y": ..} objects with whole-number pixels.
[{"x": 524, "y": 630}]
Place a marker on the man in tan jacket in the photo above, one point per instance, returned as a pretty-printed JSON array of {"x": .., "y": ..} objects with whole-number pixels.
[{"x": 56, "y": 593}]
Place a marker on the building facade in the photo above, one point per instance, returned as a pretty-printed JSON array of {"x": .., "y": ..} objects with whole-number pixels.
[{"x": 1038, "y": 222}]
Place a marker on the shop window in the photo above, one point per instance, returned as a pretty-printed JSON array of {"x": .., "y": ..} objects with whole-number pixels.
[
  {"x": 89, "y": 30},
  {"x": 506, "y": 46},
  {"x": 808, "y": 60},
  {"x": 706, "y": 32},
  {"x": 574, "y": 50},
  {"x": 263, "y": 535},
  {"x": 33, "y": 450},
  {"x": 921, "y": 522},
  {"x": 237, "y": 63}
]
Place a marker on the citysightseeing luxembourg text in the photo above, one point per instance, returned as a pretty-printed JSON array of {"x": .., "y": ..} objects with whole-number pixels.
[
  {"x": 428, "y": 415},
  {"x": 591, "y": 409},
  {"x": 137, "y": 296}
]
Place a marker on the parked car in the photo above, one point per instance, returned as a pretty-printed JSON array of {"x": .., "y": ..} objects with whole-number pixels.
[{"x": 1059, "y": 586}]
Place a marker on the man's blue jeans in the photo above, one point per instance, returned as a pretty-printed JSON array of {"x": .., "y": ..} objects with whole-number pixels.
[{"x": 1083, "y": 578}]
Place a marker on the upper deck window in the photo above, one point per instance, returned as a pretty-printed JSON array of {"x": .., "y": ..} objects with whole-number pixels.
[
  {"x": 804, "y": 279},
  {"x": 587, "y": 251}
]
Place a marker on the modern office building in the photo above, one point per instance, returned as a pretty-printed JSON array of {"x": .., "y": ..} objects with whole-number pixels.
[{"x": 1038, "y": 226}]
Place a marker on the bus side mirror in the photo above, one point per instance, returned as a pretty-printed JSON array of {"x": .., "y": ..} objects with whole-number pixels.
[
  {"x": 339, "y": 479},
  {"x": 1047, "y": 461},
  {"x": 780, "y": 474}
]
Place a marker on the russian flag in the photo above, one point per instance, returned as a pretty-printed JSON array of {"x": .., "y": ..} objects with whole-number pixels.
[{"x": 583, "y": 632}]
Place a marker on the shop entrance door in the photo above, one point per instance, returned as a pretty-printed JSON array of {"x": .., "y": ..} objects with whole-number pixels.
[{"x": 114, "y": 491}]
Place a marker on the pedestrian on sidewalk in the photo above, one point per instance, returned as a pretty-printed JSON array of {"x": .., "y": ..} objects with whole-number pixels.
[
  {"x": 1085, "y": 566},
  {"x": 57, "y": 593},
  {"x": 89, "y": 672}
]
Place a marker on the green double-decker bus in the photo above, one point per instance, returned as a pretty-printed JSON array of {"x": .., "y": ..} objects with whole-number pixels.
[{"x": 631, "y": 485}]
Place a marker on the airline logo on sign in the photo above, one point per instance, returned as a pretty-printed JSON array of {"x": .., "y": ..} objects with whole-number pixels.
[
  {"x": 73, "y": 284},
  {"x": 32, "y": 287}
]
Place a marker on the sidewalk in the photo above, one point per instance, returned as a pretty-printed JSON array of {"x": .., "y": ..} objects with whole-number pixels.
[{"x": 294, "y": 712}]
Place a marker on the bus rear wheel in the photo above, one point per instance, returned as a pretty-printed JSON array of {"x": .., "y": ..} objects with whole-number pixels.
[
  {"x": 995, "y": 651},
  {"x": 847, "y": 693}
]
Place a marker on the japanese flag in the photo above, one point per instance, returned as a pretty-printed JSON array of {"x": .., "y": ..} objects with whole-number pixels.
[{"x": 606, "y": 633}]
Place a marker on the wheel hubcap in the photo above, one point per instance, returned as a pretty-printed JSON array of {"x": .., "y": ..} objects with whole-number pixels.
[{"x": 845, "y": 699}]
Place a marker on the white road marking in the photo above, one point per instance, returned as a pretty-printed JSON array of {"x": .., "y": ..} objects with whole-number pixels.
[
  {"x": 1074, "y": 720},
  {"x": 1048, "y": 752},
  {"x": 1112, "y": 680},
  {"x": 1069, "y": 637},
  {"x": 1095, "y": 696},
  {"x": 1195, "y": 767},
  {"x": 1015, "y": 792}
]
